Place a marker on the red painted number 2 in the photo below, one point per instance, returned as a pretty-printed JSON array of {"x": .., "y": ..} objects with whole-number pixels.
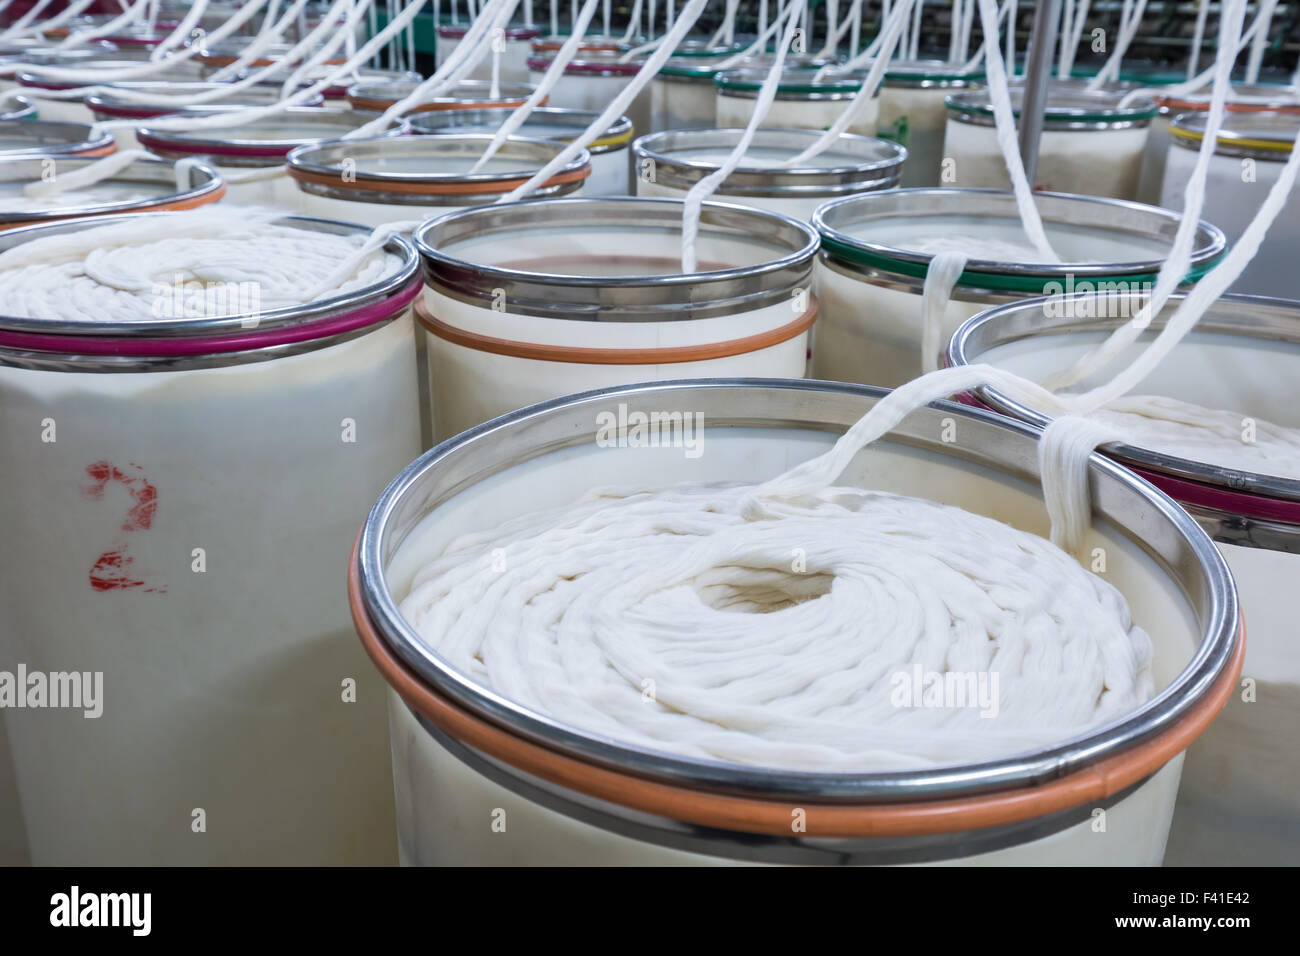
[{"x": 113, "y": 571}]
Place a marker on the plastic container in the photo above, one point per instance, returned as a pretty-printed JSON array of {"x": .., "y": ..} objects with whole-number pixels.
[
  {"x": 1242, "y": 98},
  {"x": 337, "y": 94},
  {"x": 802, "y": 101},
  {"x": 1239, "y": 803},
  {"x": 610, "y": 152},
  {"x": 58, "y": 108},
  {"x": 467, "y": 760},
  {"x": 669, "y": 164},
  {"x": 1090, "y": 145},
  {"x": 871, "y": 271},
  {"x": 146, "y": 185},
  {"x": 261, "y": 144},
  {"x": 527, "y": 301},
  {"x": 514, "y": 58},
  {"x": 218, "y": 56},
  {"x": 212, "y": 461},
  {"x": 420, "y": 177},
  {"x": 1248, "y": 158},
  {"x": 591, "y": 81},
  {"x": 682, "y": 94},
  {"x": 133, "y": 102},
  {"x": 912, "y": 112},
  {"x": 466, "y": 95},
  {"x": 46, "y": 138}
]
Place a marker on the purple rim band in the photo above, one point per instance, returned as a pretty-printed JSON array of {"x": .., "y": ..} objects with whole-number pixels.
[
  {"x": 1221, "y": 499},
  {"x": 238, "y": 342},
  {"x": 216, "y": 149},
  {"x": 597, "y": 69},
  {"x": 124, "y": 112},
  {"x": 1193, "y": 492}
]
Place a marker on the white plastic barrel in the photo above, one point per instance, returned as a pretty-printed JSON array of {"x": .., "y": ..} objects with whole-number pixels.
[
  {"x": 143, "y": 100},
  {"x": 876, "y": 250},
  {"x": 1242, "y": 98},
  {"x": 1240, "y": 799},
  {"x": 610, "y": 152},
  {"x": 528, "y": 301},
  {"x": 466, "y": 95},
  {"x": 394, "y": 178},
  {"x": 49, "y": 93},
  {"x": 183, "y": 534},
  {"x": 481, "y": 779},
  {"x": 669, "y": 164},
  {"x": 682, "y": 94},
  {"x": 802, "y": 100},
  {"x": 337, "y": 93},
  {"x": 146, "y": 185},
  {"x": 515, "y": 43},
  {"x": 912, "y": 112},
  {"x": 591, "y": 80},
  {"x": 1090, "y": 145},
  {"x": 19, "y": 53},
  {"x": 46, "y": 138},
  {"x": 260, "y": 145},
  {"x": 1248, "y": 158},
  {"x": 214, "y": 57}
]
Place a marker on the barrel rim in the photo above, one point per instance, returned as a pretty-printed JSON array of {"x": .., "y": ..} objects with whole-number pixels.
[
  {"x": 1067, "y": 108},
  {"x": 1006, "y": 276},
  {"x": 617, "y": 297},
  {"x": 879, "y": 172},
  {"x": 458, "y": 96},
  {"x": 1244, "y": 308},
  {"x": 1241, "y": 133},
  {"x": 1220, "y": 628},
  {"x": 105, "y": 104},
  {"x": 202, "y": 336},
  {"x": 76, "y": 138},
  {"x": 334, "y": 122},
  {"x": 747, "y": 81},
  {"x": 448, "y": 123},
  {"x": 209, "y": 188}
]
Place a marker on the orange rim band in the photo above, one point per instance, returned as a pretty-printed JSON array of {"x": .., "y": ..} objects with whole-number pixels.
[
  {"x": 175, "y": 205},
  {"x": 438, "y": 189},
  {"x": 651, "y": 356},
  {"x": 747, "y": 815}
]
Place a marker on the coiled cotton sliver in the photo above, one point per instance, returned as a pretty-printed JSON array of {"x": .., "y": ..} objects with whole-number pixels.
[
  {"x": 117, "y": 272},
  {"x": 671, "y": 620},
  {"x": 1214, "y": 436}
]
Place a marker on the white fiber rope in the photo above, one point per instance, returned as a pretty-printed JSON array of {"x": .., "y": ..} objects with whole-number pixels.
[
  {"x": 618, "y": 106},
  {"x": 1128, "y": 30},
  {"x": 102, "y": 169},
  {"x": 117, "y": 272},
  {"x": 695, "y": 197},
  {"x": 941, "y": 277},
  {"x": 1175, "y": 267},
  {"x": 554, "y": 73},
  {"x": 675, "y": 619}
]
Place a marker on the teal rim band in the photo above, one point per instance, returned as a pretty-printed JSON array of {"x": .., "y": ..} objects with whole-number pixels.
[
  {"x": 1128, "y": 116},
  {"x": 993, "y": 281}
]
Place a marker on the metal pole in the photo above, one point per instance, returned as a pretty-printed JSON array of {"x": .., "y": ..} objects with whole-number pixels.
[{"x": 1042, "y": 41}]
